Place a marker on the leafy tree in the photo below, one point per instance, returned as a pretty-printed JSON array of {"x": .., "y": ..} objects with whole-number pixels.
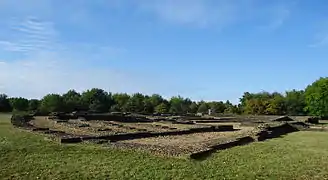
[
  {"x": 52, "y": 103},
  {"x": 156, "y": 99},
  {"x": 316, "y": 97},
  {"x": 120, "y": 101},
  {"x": 136, "y": 103},
  {"x": 230, "y": 108},
  {"x": 233, "y": 109},
  {"x": 19, "y": 104},
  {"x": 295, "y": 102},
  {"x": 256, "y": 106},
  {"x": 115, "y": 108},
  {"x": 97, "y": 100},
  {"x": 203, "y": 107},
  {"x": 186, "y": 105},
  {"x": 263, "y": 103},
  {"x": 217, "y": 107},
  {"x": 98, "y": 106},
  {"x": 193, "y": 107},
  {"x": 176, "y": 105},
  {"x": 72, "y": 100},
  {"x": 4, "y": 103},
  {"x": 161, "y": 108},
  {"x": 243, "y": 101},
  {"x": 33, "y": 105},
  {"x": 148, "y": 105},
  {"x": 277, "y": 105}
]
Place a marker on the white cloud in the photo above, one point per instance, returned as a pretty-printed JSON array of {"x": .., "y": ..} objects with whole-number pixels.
[
  {"x": 49, "y": 72},
  {"x": 50, "y": 64},
  {"x": 47, "y": 64},
  {"x": 29, "y": 35}
]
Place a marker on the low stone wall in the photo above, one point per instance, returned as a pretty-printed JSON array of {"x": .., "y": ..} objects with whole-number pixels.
[
  {"x": 283, "y": 118},
  {"x": 207, "y": 121},
  {"x": 196, "y": 118},
  {"x": 104, "y": 117},
  {"x": 276, "y": 131}
]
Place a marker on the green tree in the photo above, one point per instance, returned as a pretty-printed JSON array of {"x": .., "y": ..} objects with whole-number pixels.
[
  {"x": 316, "y": 97},
  {"x": 161, "y": 108},
  {"x": 4, "y": 103},
  {"x": 234, "y": 109},
  {"x": 193, "y": 107},
  {"x": 121, "y": 100},
  {"x": 33, "y": 104},
  {"x": 148, "y": 105},
  {"x": 97, "y": 100},
  {"x": 19, "y": 103},
  {"x": 203, "y": 107},
  {"x": 52, "y": 103},
  {"x": 186, "y": 105},
  {"x": 295, "y": 102},
  {"x": 176, "y": 105},
  {"x": 277, "y": 105},
  {"x": 217, "y": 106},
  {"x": 98, "y": 107},
  {"x": 136, "y": 103},
  {"x": 156, "y": 99},
  {"x": 72, "y": 100},
  {"x": 262, "y": 103}
]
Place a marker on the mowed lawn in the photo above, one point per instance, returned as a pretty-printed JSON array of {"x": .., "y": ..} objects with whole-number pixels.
[{"x": 24, "y": 155}]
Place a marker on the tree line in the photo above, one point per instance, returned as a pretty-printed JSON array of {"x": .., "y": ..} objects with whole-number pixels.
[
  {"x": 313, "y": 100},
  {"x": 98, "y": 100}
]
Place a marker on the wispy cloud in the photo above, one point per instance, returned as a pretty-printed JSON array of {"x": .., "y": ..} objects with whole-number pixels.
[
  {"x": 48, "y": 72},
  {"x": 29, "y": 35},
  {"x": 51, "y": 65}
]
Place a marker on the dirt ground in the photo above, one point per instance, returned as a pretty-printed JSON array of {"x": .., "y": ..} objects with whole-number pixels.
[
  {"x": 95, "y": 127},
  {"x": 173, "y": 145},
  {"x": 168, "y": 145}
]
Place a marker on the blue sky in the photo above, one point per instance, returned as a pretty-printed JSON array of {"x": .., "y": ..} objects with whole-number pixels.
[{"x": 202, "y": 49}]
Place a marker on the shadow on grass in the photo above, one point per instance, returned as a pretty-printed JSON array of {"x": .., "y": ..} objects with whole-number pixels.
[
  {"x": 268, "y": 133},
  {"x": 202, "y": 155}
]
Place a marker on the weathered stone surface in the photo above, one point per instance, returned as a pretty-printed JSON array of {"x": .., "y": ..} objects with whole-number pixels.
[
  {"x": 276, "y": 131},
  {"x": 283, "y": 118},
  {"x": 313, "y": 120},
  {"x": 71, "y": 140}
]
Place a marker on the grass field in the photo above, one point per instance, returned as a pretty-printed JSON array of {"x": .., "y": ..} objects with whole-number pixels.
[{"x": 24, "y": 155}]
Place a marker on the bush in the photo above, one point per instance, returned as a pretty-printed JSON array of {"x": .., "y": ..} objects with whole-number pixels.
[
  {"x": 21, "y": 119},
  {"x": 313, "y": 120}
]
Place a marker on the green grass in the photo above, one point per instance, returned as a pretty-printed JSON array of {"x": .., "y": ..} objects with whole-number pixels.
[{"x": 24, "y": 155}]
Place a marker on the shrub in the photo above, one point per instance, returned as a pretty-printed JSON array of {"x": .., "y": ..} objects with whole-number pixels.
[
  {"x": 21, "y": 119},
  {"x": 313, "y": 120}
]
